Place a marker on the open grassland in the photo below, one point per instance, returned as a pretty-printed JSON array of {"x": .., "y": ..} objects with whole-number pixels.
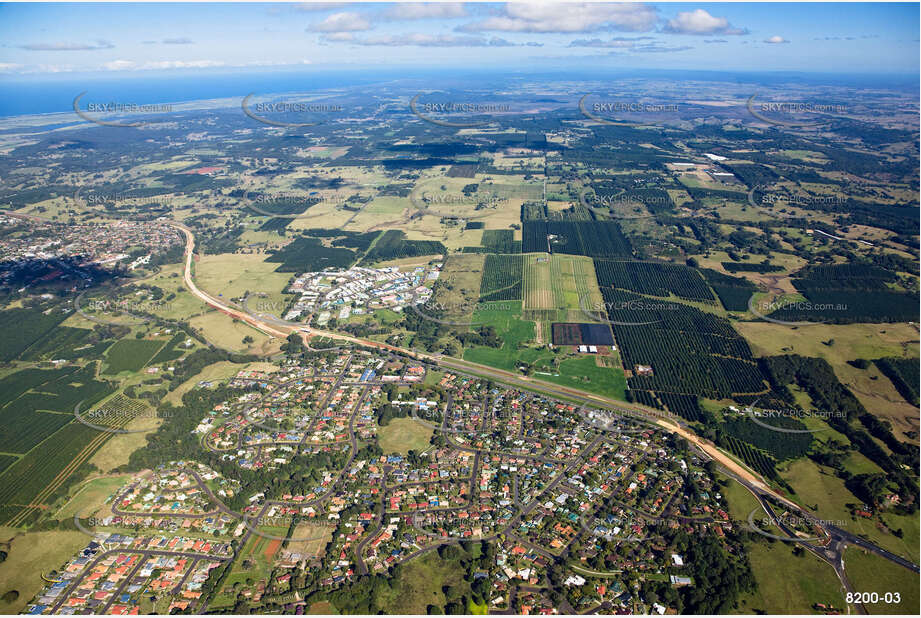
[
  {"x": 118, "y": 449},
  {"x": 421, "y": 583},
  {"x": 90, "y": 496},
  {"x": 850, "y": 342},
  {"x": 228, "y": 333},
  {"x": 816, "y": 485},
  {"x": 870, "y": 573},
  {"x": 233, "y": 274},
  {"x": 789, "y": 584},
  {"x": 741, "y": 501},
  {"x": 586, "y": 373},
  {"x": 402, "y": 435},
  {"x": 739, "y": 210},
  {"x": 322, "y": 608},
  {"x": 315, "y": 538},
  {"x": 458, "y": 288},
  {"x": 505, "y": 317},
  {"x": 327, "y": 215},
  {"x": 805, "y": 580},
  {"x": 408, "y": 263},
  {"x": 453, "y": 237},
  {"x": 253, "y": 554},
  {"x": 31, "y": 554},
  {"x": 183, "y": 305},
  {"x": 381, "y": 212},
  {"x": 717, "y": 257}
]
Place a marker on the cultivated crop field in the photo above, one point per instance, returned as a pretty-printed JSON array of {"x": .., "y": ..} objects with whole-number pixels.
[
  {"x": 42, "y": 473},
  {"x": 574, "y": 286},
  {"x": 538, "y": 288},
  {"x": 131, "y": 354},
  {"x": 654, "y": 279},
  {"x": 502, "y": 276}
]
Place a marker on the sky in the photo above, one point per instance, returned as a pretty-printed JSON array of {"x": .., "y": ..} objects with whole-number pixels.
[{"x": 48, "y": 39}]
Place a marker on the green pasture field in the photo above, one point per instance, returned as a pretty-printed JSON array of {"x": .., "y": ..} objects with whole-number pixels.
[{"x": 505, "y": 317}]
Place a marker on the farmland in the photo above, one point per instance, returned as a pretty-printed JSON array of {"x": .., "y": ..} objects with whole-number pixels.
[
  {"x": 690, "y": 352},
  {"x": 131, "y": 354},
  {"x": 502, "y": 276},
  {"x": 589, "y": 238},
  {"x": 734, "y": 292},
  {"x": 538, "y": 288},
  {"x": 38, "y": 402},
  {"x": 306, "y": 253},
  {"x": 40, "y": 474},
  {"x": 559, "y": 288},
  {"x": 653, "y": 279},
  {"x": 541, "y": 286},
  {"x": 846, "y": 293},
  {"x": 500, "y": 241},
  {"x": 574, "y": 286},
  {"x": 579, "y": 334},
  {"x": 393, "y": 245},
  {"x": 21, "y": 328}
]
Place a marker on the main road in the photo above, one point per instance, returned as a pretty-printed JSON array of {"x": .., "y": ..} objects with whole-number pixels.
[{"x": 749, "y": 479}]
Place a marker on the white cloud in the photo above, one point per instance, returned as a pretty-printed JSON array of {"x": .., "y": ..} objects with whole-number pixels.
[
  {"x": 419, "y": 40},
  {"x": 51, "y": 68},
  {"x": 339, "y": 37},
  {"x": 701, "y": 22},
  {"x": 100, "y": 44},
  {"x": 178, "y": 41},
  {"x": 183, "y": 64},
  {"x": 425, "y": 10},
  {"x": 130, "y": 65},
  {"x": 774, "y": 40},
  {"x": 341, "y": 22},
  {"x": 618, "y": 42},
  {"x": 583, "y": 17},
  {"x": 119, "y": 65},
  {"x": 272, "y": 63}
]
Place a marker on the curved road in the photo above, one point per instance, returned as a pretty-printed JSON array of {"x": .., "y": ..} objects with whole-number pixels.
[{"x": 750, "y": 480}]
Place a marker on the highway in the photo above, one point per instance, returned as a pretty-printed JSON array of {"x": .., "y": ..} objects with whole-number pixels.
[
  {"x": 276, "y": 328},
  {"x": 749, "y": 479}
]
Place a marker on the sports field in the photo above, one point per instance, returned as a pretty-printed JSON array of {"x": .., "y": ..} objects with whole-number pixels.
[{"x": 401, "y": 435}]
